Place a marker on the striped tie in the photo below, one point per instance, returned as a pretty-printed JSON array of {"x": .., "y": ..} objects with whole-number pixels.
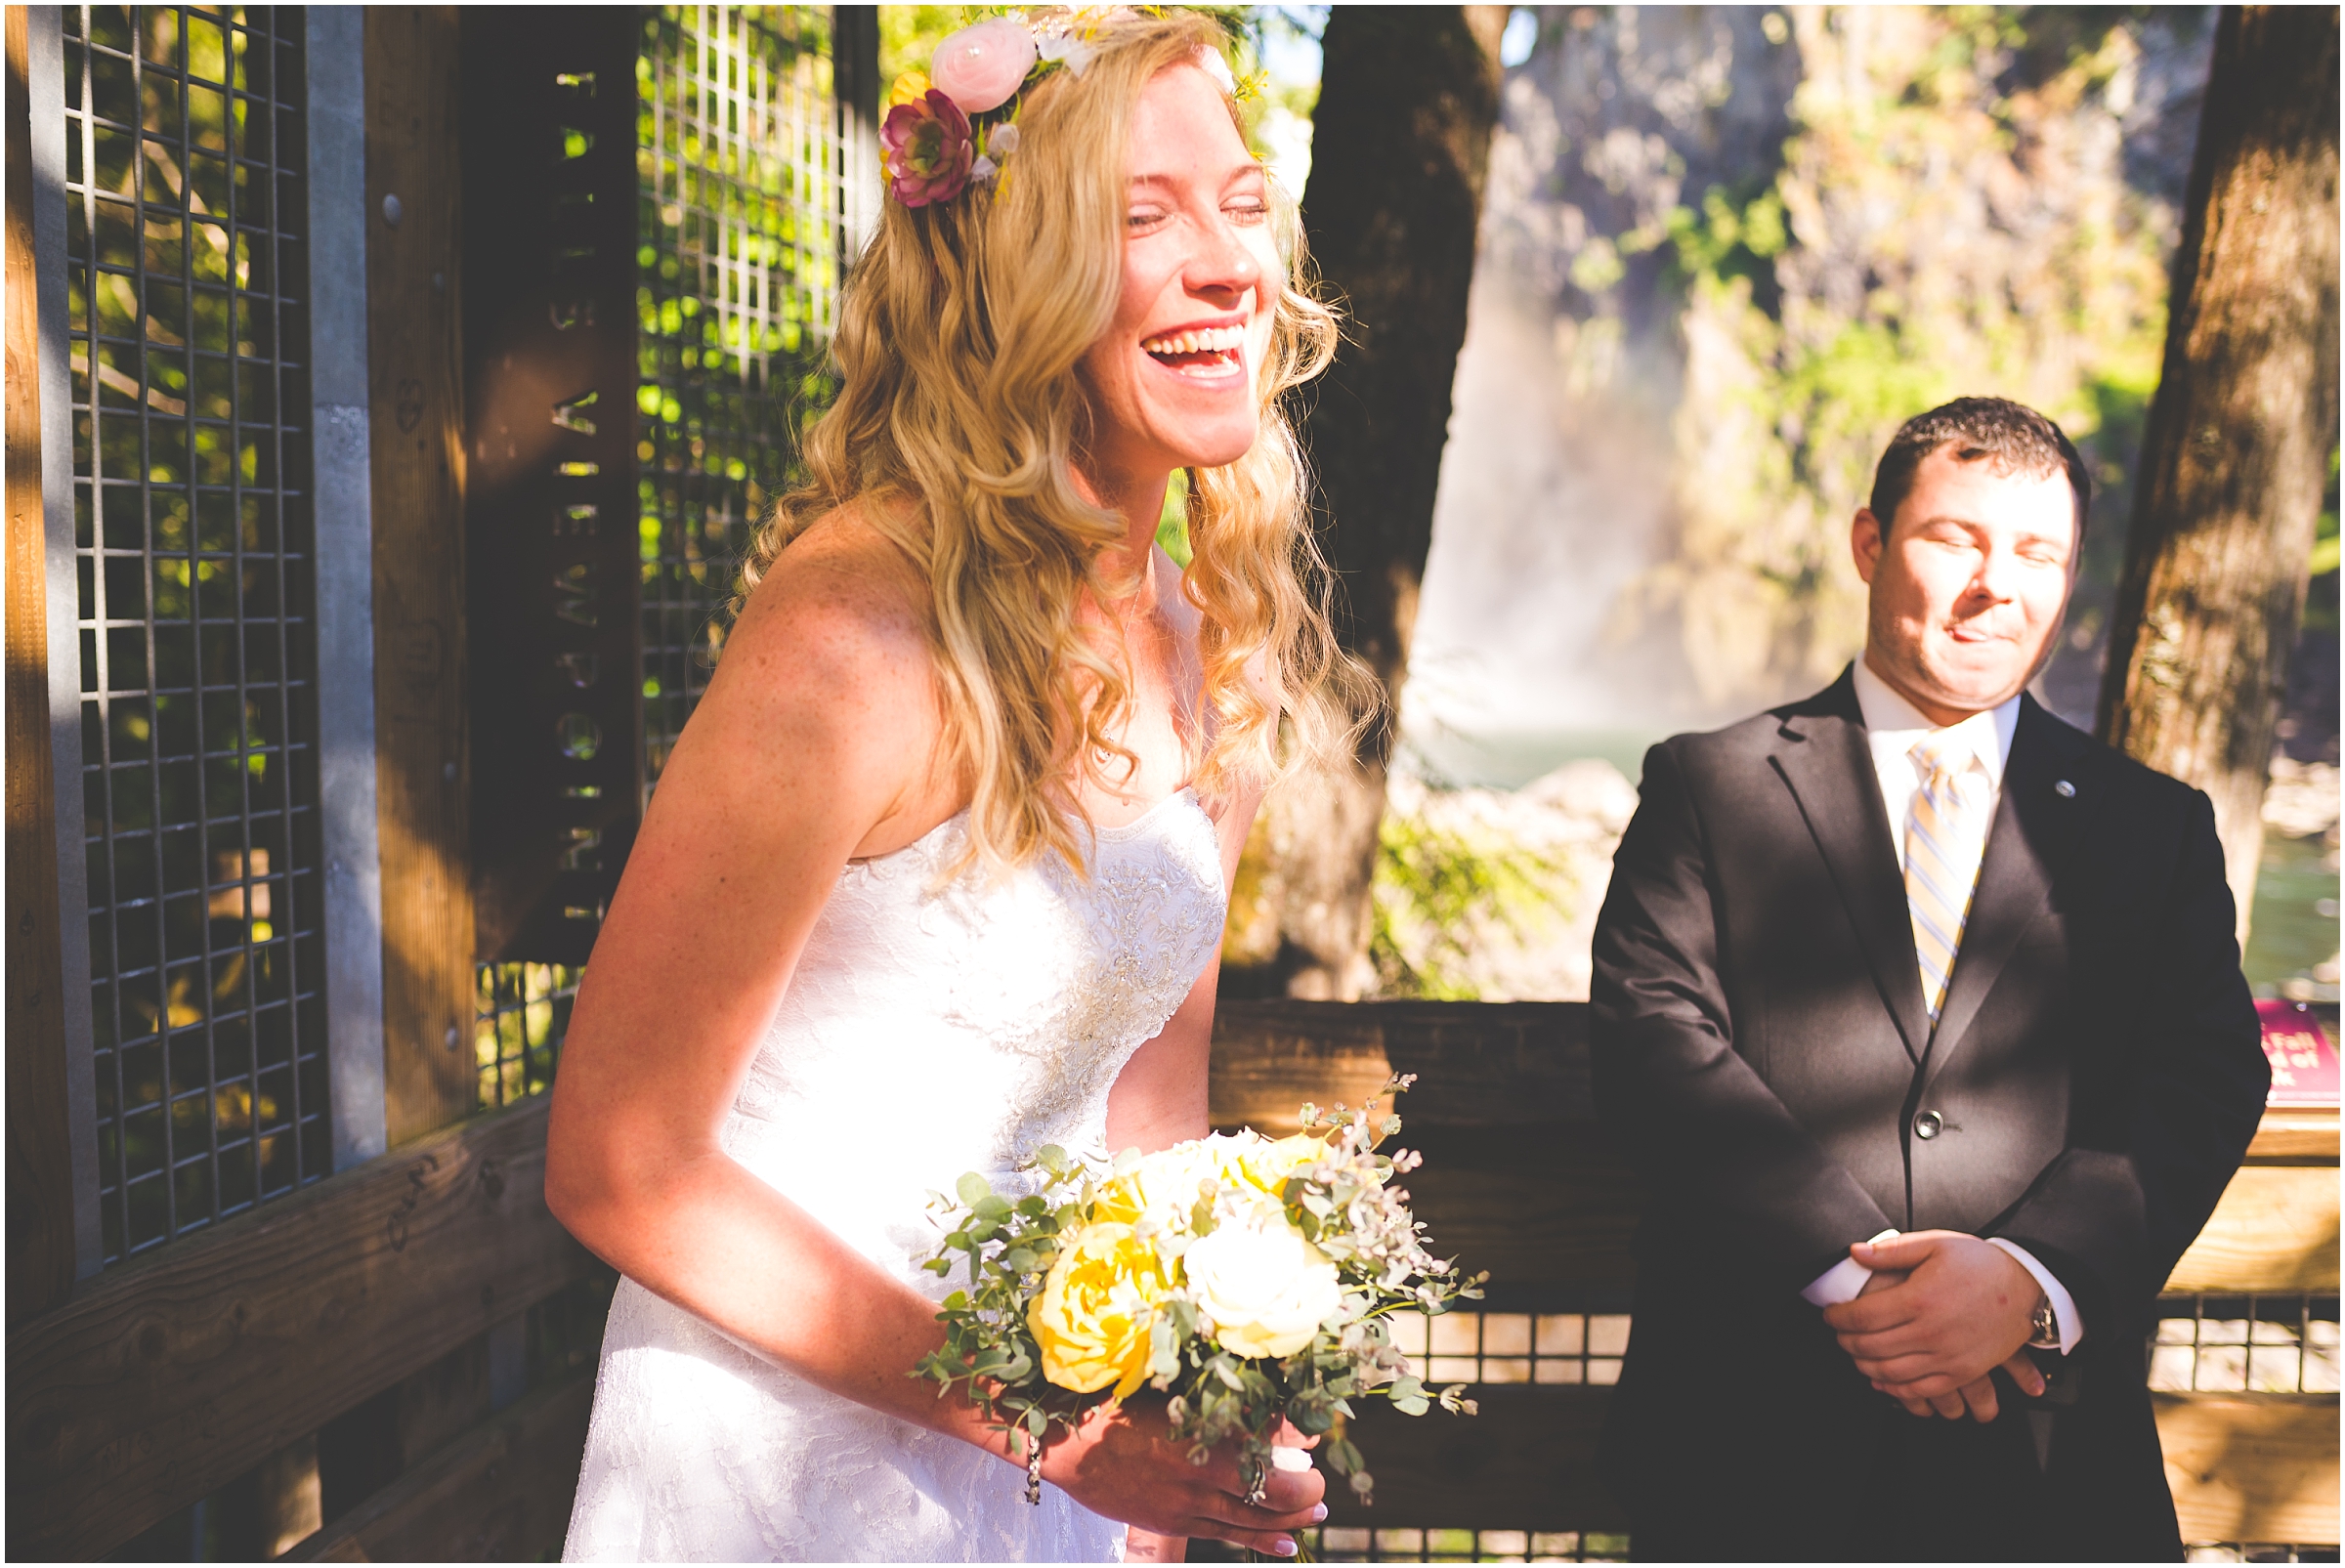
[{"x": 1944, "y": 838}]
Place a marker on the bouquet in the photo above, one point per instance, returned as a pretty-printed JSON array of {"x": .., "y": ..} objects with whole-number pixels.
[{"x": 1246, "y": 1278}]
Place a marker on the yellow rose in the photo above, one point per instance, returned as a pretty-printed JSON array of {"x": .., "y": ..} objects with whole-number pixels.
[
  {"x": 1161, "y": 1187},
  {"x": 908, "y": 88},
  {"x": 1096, "y": 1308}
]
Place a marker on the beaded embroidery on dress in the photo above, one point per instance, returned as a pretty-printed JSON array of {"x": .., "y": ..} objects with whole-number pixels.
[{"x": 1027, "y": 996}]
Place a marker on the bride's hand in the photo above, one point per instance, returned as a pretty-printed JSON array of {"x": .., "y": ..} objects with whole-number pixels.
[{"x": 1119, "y": 1464}]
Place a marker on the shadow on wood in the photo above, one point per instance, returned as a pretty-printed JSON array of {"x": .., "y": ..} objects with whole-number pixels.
[
  {"x": 2247, "y": 1467},
  {"x": 501, "y": 1493},
  {"x": 1527, "y": 1461},
  {"x": 160, "y": 1380}
]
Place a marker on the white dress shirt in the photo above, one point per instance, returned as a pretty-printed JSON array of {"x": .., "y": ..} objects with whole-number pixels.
[{"x": 1891, "y": 727}]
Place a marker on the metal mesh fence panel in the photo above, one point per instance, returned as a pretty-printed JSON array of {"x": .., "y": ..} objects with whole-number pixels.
[
  {"x": 2261, "y": 1344},
  {"x": 188, "y": 340},
  {"x": 737, "y": 271},
  {"x": 1338, "y": 1544},
  {"x": 1513, "y": 1347},
  {"x": 521, "y": 1013}
]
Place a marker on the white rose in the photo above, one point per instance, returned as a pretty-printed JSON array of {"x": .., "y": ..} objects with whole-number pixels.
[{"x": 1265, "y": 1288}]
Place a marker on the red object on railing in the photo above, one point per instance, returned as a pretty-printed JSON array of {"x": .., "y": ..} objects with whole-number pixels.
[{"x": 2303, "y": 1057}]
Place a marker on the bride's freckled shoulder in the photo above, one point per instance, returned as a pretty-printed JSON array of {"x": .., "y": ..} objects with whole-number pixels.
[
  {"x": 828, "y": 666},
  {"x": 839, "y": 608}
]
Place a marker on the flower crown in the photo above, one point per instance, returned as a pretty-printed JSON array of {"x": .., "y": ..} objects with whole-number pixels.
[{"x": 973, "y": 91}]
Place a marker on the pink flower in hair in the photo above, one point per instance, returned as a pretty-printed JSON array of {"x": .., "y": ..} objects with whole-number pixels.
[
  {"x": 982, "y": 67},
  {"x": 929, "y": 150}
]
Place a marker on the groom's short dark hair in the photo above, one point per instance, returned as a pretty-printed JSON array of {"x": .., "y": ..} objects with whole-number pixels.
[{"x": 2014, "y": 436}]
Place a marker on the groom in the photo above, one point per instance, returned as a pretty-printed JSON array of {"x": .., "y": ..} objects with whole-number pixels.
[{"x": 1924, "y": 1015}]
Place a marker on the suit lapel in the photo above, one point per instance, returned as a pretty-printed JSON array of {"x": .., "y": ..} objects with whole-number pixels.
[
  {"x": 2033, "y": 827},
  {"x": 1829, "y": 767}
]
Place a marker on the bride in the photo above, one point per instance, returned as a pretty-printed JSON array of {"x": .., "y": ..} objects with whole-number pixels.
[{"x": 937, "y": 873}]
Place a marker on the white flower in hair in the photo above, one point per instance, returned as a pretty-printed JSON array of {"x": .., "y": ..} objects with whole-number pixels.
[
  {"x": 1000, "y": 143},
  {"x": 1210, "y": 62},
  {"x": 1064, "y": 47}
]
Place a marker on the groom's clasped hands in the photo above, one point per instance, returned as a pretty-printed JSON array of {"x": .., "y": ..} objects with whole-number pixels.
[{"x": 1941, "y": 1312}]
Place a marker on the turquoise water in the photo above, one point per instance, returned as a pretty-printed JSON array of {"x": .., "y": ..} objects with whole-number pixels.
[
  {"x": 2296, "y": 921},
  {"x": 1508, "y": 759}
]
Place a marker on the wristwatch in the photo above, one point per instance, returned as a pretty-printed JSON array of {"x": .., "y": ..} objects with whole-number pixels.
[{"x": 2043, "y": 1329}]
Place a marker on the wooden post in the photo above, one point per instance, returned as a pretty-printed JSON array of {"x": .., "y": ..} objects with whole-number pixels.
[
  {"x": 40, "y": 1197},
  {"x": 2237, "y": 449},
  {"x": 551, "y": 380},
  {"x": 1391, "y": 213},
  {"x": 414, "y": 183},
  {"x": 290, "y": 1508}
]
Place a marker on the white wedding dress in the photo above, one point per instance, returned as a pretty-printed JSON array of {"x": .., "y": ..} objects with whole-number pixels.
[{"x": 925, "y": 1032}]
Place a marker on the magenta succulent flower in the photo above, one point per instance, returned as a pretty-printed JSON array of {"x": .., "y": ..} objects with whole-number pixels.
[{"x": 929, "y": 151}]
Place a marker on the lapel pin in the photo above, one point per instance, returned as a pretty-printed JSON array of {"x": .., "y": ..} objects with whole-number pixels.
[{"x": 2064, "y": 789}]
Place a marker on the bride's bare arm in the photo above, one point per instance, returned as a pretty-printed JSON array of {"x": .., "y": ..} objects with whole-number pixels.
[{"x": 811, "y": 745}]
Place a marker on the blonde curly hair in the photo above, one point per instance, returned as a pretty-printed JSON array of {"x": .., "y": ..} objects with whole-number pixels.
[{"x": 960, "y": 422}]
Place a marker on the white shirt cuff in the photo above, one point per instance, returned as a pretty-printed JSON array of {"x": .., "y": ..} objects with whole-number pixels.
[
  {"x": 2065, "y": 1320},
  {"x": 1844, "y": 1281}
]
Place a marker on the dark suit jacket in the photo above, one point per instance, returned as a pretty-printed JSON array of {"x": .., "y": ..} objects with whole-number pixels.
[{"x": 1761, "y": 1044}]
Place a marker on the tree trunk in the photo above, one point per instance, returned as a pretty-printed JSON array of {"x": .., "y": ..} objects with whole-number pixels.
[
  {"x": 2236, "y": 451},
  {"x": 1400, "y": 142}
]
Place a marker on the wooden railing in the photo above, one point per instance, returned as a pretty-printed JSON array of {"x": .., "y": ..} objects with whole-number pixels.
[
  {"x": 161, "y": 1381},
  {"x": 2252, "y": 1467},
  {"x": 158, "y": 1383}
]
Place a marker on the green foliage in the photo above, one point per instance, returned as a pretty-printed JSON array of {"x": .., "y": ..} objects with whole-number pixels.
[
  {"x": 1431, "y": 884},
  {"x": 987, "y": 1343},
  {"x": 2325, "y": 540},
  {"x": 2321, "y": 602},
  {"x": 1172, "y": 527},
  {"x": 1822, "y": 303},
  {"x": 1726, "y": 240},
  {"x": 909, "y": 36}
]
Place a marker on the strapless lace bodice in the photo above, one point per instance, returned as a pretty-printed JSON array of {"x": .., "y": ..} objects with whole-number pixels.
[{"x": 927, "y": 1029}]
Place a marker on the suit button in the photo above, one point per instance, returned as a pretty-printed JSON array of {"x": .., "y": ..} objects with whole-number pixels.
[{"x": 1927, "y": 1125}]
